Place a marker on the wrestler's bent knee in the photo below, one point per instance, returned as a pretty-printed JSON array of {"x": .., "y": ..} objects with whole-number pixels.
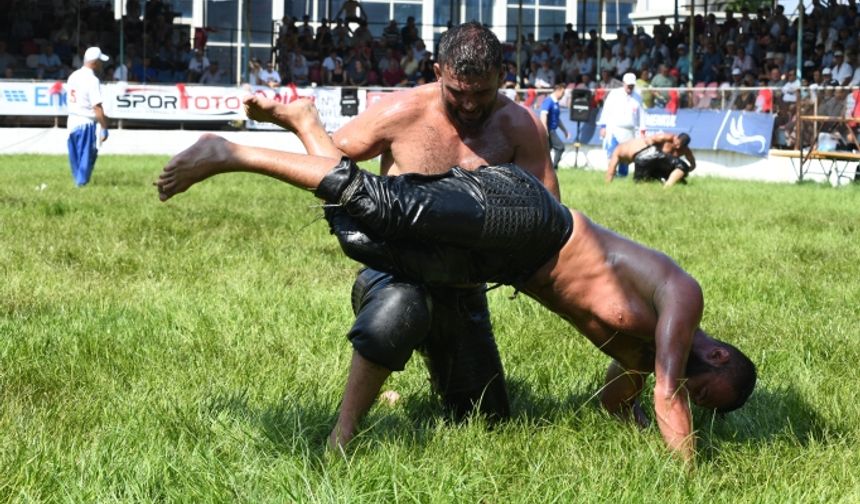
[{"x": 392, "y": 319}]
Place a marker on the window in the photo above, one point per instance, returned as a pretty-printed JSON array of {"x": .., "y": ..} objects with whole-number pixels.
[
  {"x": 528, "y": 23},
  {"x": 551, "y": 22},
  {"x": 221, "y": 15}
]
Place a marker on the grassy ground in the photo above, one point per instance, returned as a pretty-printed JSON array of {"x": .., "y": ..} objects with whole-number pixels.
[{"x": 194, "y": 351}]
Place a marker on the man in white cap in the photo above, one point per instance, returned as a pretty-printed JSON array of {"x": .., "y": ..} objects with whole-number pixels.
[
  {"x": 842, "y": 71},
  {"x": 621, "y": 118},
  {"x": 85, "y": 109}
]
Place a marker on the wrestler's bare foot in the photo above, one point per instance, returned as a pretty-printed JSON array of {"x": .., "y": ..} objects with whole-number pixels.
[
  {"x": 298, "y": 115},
  {"x": 208, "y": 156}
]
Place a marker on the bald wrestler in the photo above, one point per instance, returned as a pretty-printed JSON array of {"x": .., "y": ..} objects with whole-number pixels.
[
  {"x": 657, "y": 157},
  {"x": 500, "y": 224}
]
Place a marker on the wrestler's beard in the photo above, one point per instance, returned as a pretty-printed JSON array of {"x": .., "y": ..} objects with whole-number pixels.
[{"x": 469, "y": 124}]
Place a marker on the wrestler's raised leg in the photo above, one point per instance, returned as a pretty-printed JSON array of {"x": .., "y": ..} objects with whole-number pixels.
[
  {"x": 300, "y": 116},
  {"x": 212, "y": 155}
]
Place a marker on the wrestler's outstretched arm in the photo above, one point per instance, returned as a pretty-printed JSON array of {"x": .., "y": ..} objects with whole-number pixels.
[
  {"x": 679, "y": 305},
  {"x": 212, "y": 155}
]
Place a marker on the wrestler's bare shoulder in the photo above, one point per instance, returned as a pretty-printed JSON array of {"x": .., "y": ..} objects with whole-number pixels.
[
  {"x": 514, "y": 119},
  {"x": 404, "y": 107}
]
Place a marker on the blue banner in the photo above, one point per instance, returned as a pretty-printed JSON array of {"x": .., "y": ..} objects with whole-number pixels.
[{"x": 733, "y": 130}]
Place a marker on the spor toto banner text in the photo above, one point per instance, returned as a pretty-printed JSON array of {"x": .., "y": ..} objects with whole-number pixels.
[{"x": 178, "y": 102}]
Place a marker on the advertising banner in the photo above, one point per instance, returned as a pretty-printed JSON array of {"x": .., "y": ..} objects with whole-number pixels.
[
  {"x": 32, "y": 98},
  {"x": 744, "y": 132},
  {"x": 733, "y": 130}
]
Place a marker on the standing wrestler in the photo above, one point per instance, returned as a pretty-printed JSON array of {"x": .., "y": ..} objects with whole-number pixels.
[
  {"x": 459, "y": 120},
  {"x": 657, "y": 157}
]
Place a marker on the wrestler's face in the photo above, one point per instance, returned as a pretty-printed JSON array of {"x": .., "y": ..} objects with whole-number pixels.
[
  {"x": 469, "y": 101},
  {"x": 711, "y": 390}
]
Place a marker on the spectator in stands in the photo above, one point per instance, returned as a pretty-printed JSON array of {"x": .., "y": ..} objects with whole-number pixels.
[
  {"x": 607, "y": 60},
  {"x": 306, "y": 30},
  {"x": 790, "y": 88},
  {"x": 409, "y": 33},
  {"x": 352, "y": 12},
  {"x": 841, "y": 71},
  {"x": 254, "y": 69},
  {"x": 144, "y": 72},
  {"x": 420, "y": 50},
  {"x": 49, "y": 65},
  {"x": 662, "y": 80},
  {"x": 299, "y": 68},
  {"x": 340, "y": 34},
  {"x": 742, "y": 61},
  {"x": 640, "y": 58},
  {"x": 362, "y": 34},
  {"x": 544, "y": 77},
  {"x": 385, "y": 61},
  {"x": 426, "y": 73},
  {"x": 623, "y": 62},
  {"x": 509, "y": 81},
  {"x": 122, "y": 72},
  {"x": 6, "y": 59},
  {"x": 357, "y": 74},
  {"x": 855, "y": 78},
  {"x": 584, "y": 61},
  {"x": 608, "y": 80},
  {"x": 643, "y": 82},
  {"x": 391, "y": 34},
  {"x": 394, "y": 75},
  {"x": 329, "y": 64},
  {"x": 336, "y": 77},
  {"x": 586, "y": 82},
  {"x": 198, "y": 64},
  {"x": 213, "y": 76},
  {"x": 661, "y": 29},
  {"x": 567, "y": 68},
  {"x": 711, "y": 64},
  {"x": 409, "y": 64},
  {"x": 270, "y": 77},
  {"x": 682, "y": 64},
  {"x": 660, "y": 51}
]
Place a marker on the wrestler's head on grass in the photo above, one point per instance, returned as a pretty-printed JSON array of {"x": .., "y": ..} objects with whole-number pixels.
[
  {"x": 469, "y": 71},
  {"x": 719, "y": 377}
]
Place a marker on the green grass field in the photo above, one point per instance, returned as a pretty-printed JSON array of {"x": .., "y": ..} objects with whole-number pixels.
[{"x": 194, "y": 351}]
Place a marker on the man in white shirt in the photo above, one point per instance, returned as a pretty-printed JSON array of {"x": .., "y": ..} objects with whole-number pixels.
[
  {"x": 269, "y": 76},
  {"x": 842, "y": 71},
  {"x": 622, "y": 116},
  {"x": 198, "y": 64},
  {"x": 85, "y": 110}
]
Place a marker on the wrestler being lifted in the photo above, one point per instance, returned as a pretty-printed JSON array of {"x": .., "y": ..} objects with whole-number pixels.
[
  {"x": 633, "y": 303},
  {"x": 460, "y": 120}
]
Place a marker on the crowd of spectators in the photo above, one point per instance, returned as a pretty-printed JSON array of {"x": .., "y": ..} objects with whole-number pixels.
[
  {"x": 730, "y": 53},
  {"x": 48, "y": 44},
  {"x": 338, "y": 53}
]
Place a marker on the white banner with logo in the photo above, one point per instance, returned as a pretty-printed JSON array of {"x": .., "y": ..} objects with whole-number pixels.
[{"x": 176, "y": 103}]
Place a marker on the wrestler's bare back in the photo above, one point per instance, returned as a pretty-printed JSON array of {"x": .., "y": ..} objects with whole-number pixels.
[
  {"x": 413, "y": 134},
  {"x": 605, "y": 284}
]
